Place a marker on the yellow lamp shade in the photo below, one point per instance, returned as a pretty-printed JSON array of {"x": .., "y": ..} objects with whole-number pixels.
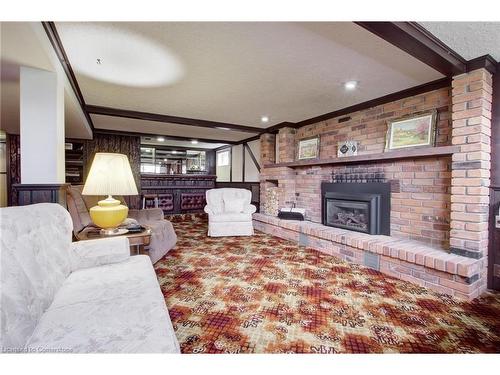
[{"x": 109, "y": 174}]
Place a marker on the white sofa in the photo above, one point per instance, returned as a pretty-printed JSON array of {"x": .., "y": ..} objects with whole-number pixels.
[
  {"x": 229, "y": 212},
  {"x": 82, "y": 297}
]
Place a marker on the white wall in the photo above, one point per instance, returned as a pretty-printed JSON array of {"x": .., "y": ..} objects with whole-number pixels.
[
  {"x": 236, "y": 163},
  {"x": 251, "y": 171},
  {"x": 223, "y": 172},
  {"x": 42, "y": 127}
]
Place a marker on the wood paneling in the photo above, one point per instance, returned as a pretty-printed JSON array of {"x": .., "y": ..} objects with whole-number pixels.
[
  {"x": 128, "y": 145},
  {"x": 39, "y": 193},
  {"x": 186, "y": 193},
  {"x": 13, "y": 166}
]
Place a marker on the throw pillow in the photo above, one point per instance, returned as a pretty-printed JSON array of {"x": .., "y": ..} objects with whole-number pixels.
[{"x": 233, "y": 205}]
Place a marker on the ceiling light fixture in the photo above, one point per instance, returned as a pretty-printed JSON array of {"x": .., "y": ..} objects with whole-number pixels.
[
  {"x": 160, "y": 139},
  {"x": 350, "y": 85},
  {"x": 222, "y": 128},
  {"x": 174, "y": 152},
  {"x": 194, "y": 142},
  {"x": 264, "y": 119}
]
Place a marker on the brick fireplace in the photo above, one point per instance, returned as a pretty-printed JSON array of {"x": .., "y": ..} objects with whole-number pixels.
[
  {"x": 438, "y": 197},
  {"x": 359, "y": 206}
]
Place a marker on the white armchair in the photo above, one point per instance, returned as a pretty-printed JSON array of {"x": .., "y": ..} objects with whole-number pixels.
[{"x": 229, "y": 212}]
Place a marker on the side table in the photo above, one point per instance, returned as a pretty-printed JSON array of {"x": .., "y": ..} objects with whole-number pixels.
[{"x": 139, "y": 241}]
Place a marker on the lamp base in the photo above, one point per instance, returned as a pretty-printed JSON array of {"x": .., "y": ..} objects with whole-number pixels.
[
  {"x": 108, "y": 214},
  {"x": 113, "y": 232}
]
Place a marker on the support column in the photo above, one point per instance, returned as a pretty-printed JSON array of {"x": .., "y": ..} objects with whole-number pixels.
[
  {"x": 286, "y": 145},
  {"x": 267, "y": 149},
  {"x": 42, "y": 127},
  {"x": 471, "y": 130}
]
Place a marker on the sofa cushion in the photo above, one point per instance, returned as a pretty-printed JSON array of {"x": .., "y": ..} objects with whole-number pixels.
[
  {"x": 34, "y": 245},
  {"x": 233, "y": 205},
  {"x": 115, "y": 308},
  {"x": 217, "y": 197},
  {"x": 229, "y": 217},
  {"x": 78, "y": 209},
  {"x": 163, "y": 238}
]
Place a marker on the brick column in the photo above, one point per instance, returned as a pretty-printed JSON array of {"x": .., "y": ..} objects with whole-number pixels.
[
  {"x": 286, "y": 145},
  {"x": 267, "y": 149},
  {"x": 471, "y": 130}
]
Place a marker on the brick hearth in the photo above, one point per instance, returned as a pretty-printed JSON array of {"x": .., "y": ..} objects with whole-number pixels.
[{"x": 405, "y": 259}]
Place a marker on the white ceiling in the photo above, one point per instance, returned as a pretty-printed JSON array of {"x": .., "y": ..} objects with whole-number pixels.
[
  {"x": 468, "y": 39},
  {"x": 232, "y": 72},
  {"x": 26, "y": 44},
  {"x": 221, "y": 71}
]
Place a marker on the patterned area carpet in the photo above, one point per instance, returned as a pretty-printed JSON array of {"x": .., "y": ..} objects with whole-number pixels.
[{"x": 262, "y": 294}]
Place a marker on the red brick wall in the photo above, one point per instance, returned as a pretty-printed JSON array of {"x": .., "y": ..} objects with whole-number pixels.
[
  {"x": 420, "y": 203},
  {"x": 369, "y": 127},
  {"x": 420, "y": 207}
]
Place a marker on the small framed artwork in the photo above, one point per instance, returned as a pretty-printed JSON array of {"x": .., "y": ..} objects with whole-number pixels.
[
  {"x": 347, "y": 148},
  {"x": 418, "y": 130},
  {"x": 308, "y": 148}
]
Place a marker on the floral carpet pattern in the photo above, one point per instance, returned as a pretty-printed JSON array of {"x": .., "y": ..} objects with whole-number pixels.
[{"x": 262, "y": 294}]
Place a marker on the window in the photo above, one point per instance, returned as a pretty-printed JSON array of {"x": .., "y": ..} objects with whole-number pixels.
[{"x": 223, "y": 158}]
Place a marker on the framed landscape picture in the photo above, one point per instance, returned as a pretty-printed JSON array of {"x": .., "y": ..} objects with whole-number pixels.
[
  {"x": 412, "y": 131},
  {"x": 308, "y": 148}
]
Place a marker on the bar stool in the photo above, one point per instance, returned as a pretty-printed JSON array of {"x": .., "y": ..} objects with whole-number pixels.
[{"x": 149, "y": 201}]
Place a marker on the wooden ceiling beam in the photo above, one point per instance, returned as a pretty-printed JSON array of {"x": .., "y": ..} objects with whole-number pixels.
[
  {"x": 414, "y": 39},
  {"x": 115, "y": 112}
]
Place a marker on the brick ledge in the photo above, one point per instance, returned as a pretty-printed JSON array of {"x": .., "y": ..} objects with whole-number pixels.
[{"x": 406, "y": 250}]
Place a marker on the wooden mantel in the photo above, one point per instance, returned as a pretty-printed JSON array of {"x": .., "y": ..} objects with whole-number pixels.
[{"x": 424, "y": 152}]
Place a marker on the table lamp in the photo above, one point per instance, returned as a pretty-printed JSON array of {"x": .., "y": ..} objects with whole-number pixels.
[{"x": 110, "y": 174}]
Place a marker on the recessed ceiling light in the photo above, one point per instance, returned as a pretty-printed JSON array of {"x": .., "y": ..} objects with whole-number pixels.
[
  {"x": 222, "y": 128},
  {"x": 194, "y": 142},
  {"x": 264, "y": 119},
  {"x": 350, "y": 85},
  {"x": 174, "y": 152},
  {"x": 160, "y": 139},
  {"x": 165, "y": 160}
]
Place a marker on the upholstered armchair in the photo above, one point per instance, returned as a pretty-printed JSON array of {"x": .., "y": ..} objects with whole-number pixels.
[
  {"x": 163, "y": 237},
  {"x": 78, "y": 297},
  {"x": 229, "y": 212}
]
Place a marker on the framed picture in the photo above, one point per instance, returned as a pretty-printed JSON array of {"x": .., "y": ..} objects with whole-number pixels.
[
  {"x": 411, "y": 131},
  {"x": 308, "y": 148},
  {"x": 347, "y": 148}
]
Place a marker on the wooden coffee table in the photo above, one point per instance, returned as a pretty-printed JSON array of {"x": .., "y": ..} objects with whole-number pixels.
[{"x": 139, "y": 241}]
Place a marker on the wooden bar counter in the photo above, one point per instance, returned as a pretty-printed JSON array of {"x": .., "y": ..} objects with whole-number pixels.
[{"x": 176, "y": 193}]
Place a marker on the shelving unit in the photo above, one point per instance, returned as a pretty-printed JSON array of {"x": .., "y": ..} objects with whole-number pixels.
[
  {"x": 74, "y": 161},
  {"x": 373, "y": 158}
]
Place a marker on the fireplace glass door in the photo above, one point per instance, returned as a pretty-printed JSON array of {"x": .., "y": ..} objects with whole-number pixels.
[{"x": 348, "y": 214}]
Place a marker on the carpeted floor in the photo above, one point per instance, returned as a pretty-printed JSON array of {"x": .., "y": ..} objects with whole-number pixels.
[{"x": 262, "y": 294}]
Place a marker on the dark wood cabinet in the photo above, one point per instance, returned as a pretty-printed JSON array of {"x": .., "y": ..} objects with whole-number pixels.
[{"x": 176, "y": 194}]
